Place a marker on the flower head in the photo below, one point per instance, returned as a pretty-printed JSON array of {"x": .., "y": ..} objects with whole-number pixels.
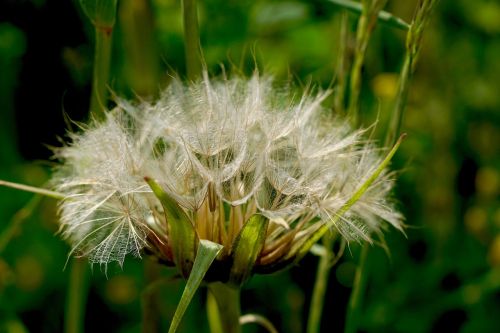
[{"x": 218, "y": 156}]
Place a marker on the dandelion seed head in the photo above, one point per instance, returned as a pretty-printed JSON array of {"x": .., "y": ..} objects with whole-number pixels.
[{"x": 223, "y": 150}]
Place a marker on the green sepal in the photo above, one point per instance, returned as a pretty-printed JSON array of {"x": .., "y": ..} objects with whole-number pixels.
[
  {"x": 207, "y": 252},
  {"x": 246, "y": 248},
  {"x": 182, "y": 234},
  {"x": 383, "y": 16},
  {"x": 300, "y": 248},
  {"x": 102, "y": 13}
]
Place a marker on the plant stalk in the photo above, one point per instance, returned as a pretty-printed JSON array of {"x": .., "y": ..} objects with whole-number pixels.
[
  {"x": 320, "y": 286},
  {"x": 102, "y": 60},
  {"x": 366, "y": 25},
  {"x": 413, "y": 45},
  {"x": 192, "y": 44},
  {"x": 76, "y": 297},
  {"x": 358, "y": 290},
  {"x": 228, "y": 305}
]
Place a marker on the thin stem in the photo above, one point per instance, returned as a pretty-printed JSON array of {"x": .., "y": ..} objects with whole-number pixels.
[
  {"x": 102, "y": 60},
  {"x": 77, "y": 297},
  {"x": 366, "y": 24},
  {"x": 32, "y": 189},
  {"x": 192, "y": 45},
  {"x": 320, "y": 286},
  {"x": 413, "y": 45},
  {"x": 258, "y": 319},
  {"x": 17, "y": 221},
  {"x": 228, "y": 304},
  {"x": 358, "y": 291},
  {"x": 342, "y": 67},
  {"x": 401, "y": 100}
]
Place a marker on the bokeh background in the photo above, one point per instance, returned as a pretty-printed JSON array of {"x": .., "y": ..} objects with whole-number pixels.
[{"x": 443, "y": 276}]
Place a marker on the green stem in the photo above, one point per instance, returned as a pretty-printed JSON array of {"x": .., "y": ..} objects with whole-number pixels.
[
  {"x": 366, "y": 24},
  {"x": 32, "y": 189},
  {"x": 214, "y": 320},
  {"x": 76, "y": 297},
  {"x": 228, "y": 305},
  {"x": 320, "y": 286},
  {"x": 16, "y": 222},
  {"x": 401, "y": 100},
  {"x": 342, "y": 67},
  {"x": 413, "y": 44},
  {"x": 102, "y": 60},
  {"x": 192, "y": 45},
  {"x": 358, "y": 291},
  {"x": 140, "y": 46}
]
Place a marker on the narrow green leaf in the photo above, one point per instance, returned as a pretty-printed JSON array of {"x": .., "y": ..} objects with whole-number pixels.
[
  {"x": 247, "y": 247},
  {"x": 383, "y": 16},
  {"x": 207, "y": 252},
  {"x": 301, "y": 248},
  {"x": 182, "y": 235}
]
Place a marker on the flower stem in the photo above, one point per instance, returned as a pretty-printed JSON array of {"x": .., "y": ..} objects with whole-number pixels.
[
  {"x": 76, "y": 297},
  {"x": 214, "y": 320},
  {"x": 320, "y": 285},
  {"x": 192, "y": 45},
  {"x": 102, "y": 59},
  {"x": 366, "y": 25},
  {"x": 139, "y": 42},
  {"x": 228, "y": 305},
  {"x": 358, "y": 291},
  {"x": 342, "y": 67}
]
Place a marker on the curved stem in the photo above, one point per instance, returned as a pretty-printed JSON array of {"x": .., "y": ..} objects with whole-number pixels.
[
  {"x": 258, "y": 319},
  {"x": 228, "y": 305}
]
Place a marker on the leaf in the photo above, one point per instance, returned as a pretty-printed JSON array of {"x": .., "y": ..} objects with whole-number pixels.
[
  {"x": 182, "y": 234},
  {"x": 207, "y": 252},
  {"x": 247, "y": 248},
  {"x": 383, "y": 16}
]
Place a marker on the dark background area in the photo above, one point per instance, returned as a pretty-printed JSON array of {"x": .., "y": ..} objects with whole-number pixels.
[{"x": 444, "y": 276}]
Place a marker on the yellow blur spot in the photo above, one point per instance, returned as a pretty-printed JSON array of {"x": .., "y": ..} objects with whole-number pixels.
[
  {"x": 385, "y": 85},
  {"x": 29, "y": 273},
  {"x": 121, "y": 290},
  {"x": 487, "y": 182},
  {"x": 496, "y": 218},
  {"x": 475, "y": 220},
  {"x": 494, "y": 252}
]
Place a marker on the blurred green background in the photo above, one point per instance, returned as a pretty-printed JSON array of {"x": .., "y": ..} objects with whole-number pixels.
[{"x": 444, "y": 276}]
